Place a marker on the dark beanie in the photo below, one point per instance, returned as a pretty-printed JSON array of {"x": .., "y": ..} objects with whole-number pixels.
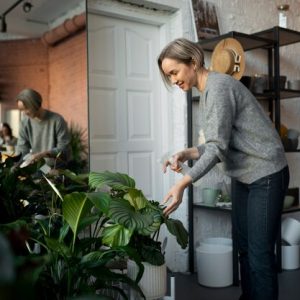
[{"x": 30, "y": 98}]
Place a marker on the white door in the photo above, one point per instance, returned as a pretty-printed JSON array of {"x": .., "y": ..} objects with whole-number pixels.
[{"x": 124, "y": 100}]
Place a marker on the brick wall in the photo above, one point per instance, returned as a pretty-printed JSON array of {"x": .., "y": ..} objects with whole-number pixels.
[
  {"x": 23, "y": 63},
  {"x": 59, "y": 73},
  {"x": 68, "y": 79}
]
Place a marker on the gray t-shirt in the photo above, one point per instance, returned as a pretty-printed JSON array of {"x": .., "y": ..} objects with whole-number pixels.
[
  {"x": 49, "y": 134},
  {"x": 239, "y": 136}
]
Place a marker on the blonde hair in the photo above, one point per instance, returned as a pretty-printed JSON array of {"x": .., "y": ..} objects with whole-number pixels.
[{"x": 183, "y": 51}]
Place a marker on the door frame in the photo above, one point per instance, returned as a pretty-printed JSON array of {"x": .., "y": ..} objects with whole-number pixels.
[
  {"x": 167, "y": 20},
  {"x": 173, "y": 106}
]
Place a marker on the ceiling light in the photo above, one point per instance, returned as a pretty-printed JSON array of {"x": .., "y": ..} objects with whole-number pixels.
[
  {"x": 3, "y": 24},
  {"x": 27, "y": 7}
]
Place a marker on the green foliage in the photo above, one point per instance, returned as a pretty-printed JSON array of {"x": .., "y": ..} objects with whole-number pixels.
[
  {"x": 133, "y": 221},
  {"x": 91, "y": 222},
  {"x": 78, "y": 263},
  {"x": 17, "y": 185},
  {"x": 79, "y": 148}
]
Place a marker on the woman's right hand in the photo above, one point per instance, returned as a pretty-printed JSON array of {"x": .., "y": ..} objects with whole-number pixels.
[{"x": 175, "y": 162}]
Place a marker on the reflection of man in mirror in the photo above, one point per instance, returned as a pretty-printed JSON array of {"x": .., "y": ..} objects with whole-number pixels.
[{"x": 42, "y": 132}]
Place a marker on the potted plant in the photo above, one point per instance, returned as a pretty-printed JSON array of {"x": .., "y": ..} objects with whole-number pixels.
[
  {"x": 133, "y": 223},
  {"x": 79, "y": 148}
]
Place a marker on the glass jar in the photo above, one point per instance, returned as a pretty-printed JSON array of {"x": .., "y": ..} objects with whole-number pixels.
[{"x": 283, "y": 14}]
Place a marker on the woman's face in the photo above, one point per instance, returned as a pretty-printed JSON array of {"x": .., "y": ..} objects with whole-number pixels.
[
  {"x": 5, "y": 131},
  {"x": 184, "y": 76}
]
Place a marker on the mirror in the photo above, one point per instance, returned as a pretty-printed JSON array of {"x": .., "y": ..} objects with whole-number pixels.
[{"x": 43, "y": 46}]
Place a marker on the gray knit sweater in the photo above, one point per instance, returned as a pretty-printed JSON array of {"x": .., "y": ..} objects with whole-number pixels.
[
  {"x": 239, "y": 136},
  {"x": 49, "y": 134}
]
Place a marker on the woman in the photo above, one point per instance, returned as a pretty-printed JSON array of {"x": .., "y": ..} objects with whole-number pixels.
[
  {"x": 240, "y": 140},
  {"x": 8, "y": 141}
]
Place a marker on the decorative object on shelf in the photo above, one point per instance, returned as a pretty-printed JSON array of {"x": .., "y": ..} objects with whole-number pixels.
[
  {"x": 259, "y": 83},
  {"x": 294, "y": 84},
  {"x": 282, "y": 81},
  {"x": 205, "y": 19},
  {"x": 291, "y": 139},
  {"x": 282, "y": 13},
  {"x": 210, "y": 195},
  {"x": 228, "y": 57},
  {"x": 288, "y": 201}
]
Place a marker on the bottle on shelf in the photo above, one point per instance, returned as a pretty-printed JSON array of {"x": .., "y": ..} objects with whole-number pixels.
[{"x": 283, "y": 15}]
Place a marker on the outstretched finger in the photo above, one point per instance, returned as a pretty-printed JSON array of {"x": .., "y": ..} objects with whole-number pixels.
[
  {"x": 169, "y": 209},
  {"x": 167, "y": 198},
  {"x": 165, "y": 165}
]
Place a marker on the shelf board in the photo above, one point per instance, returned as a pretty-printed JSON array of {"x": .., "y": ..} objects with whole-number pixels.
[
  {"x": 284, "y": 94},
  {"x": 286, "y": 36},
  {"x": 291, "y": 209},
  {"x": 248, "y": 41},
  {"x": 291, "y": 151},
  {"x": 209, "y": 207}
]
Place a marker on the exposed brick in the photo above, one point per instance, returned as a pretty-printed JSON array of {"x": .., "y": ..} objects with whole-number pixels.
[{"x": 59, "y": 73}]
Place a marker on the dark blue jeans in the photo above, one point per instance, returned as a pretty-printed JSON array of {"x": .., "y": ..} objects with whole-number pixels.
[{"x": 256, "y": 218}]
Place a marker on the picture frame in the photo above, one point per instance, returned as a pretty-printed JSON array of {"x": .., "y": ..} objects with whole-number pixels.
[{"x": 205, "y": 19}]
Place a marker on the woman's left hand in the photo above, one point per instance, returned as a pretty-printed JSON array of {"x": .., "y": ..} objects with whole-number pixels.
[{"x": 176, "y": 193}]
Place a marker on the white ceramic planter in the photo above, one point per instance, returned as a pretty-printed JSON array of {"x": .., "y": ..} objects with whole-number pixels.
[{"x": 153, "y": 282}]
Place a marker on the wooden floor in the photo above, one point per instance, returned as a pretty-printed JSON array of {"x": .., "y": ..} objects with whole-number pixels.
[{"x": 188, "y": 288}]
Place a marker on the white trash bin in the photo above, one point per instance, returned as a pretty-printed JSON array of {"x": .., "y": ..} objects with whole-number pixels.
[
  {"x": 217, "y": 241},
  {"x": 214, "y": 265}
]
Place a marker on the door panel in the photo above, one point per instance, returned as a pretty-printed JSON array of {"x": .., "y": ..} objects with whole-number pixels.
[{"x": 124, "y": 100}]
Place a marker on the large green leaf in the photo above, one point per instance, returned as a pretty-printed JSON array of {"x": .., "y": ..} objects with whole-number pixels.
[
  {"x": 97, "y": 258},
  {"x": 115, "y": 235},
  {"x": 100, "y": 200},
  {"x": 136, "y": 198},
  {"x": 79, "y": 178},
  {"x": 121, "y": 212},
  {"x": 116, "y": 181},
  {"x": 176, "y": 228},
  {"x": 76, "y": 206},
  {"x": 57, "y": 246},
  {"x": 54, "y": 188},
  {"x": 86, "y": 221}
]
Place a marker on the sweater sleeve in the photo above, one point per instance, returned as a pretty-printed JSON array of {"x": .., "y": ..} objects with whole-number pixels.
[
  {"x": 218, "y": 113},
  {"x": 63, "y": 138},
  {"x": 23, "y": 145}
]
